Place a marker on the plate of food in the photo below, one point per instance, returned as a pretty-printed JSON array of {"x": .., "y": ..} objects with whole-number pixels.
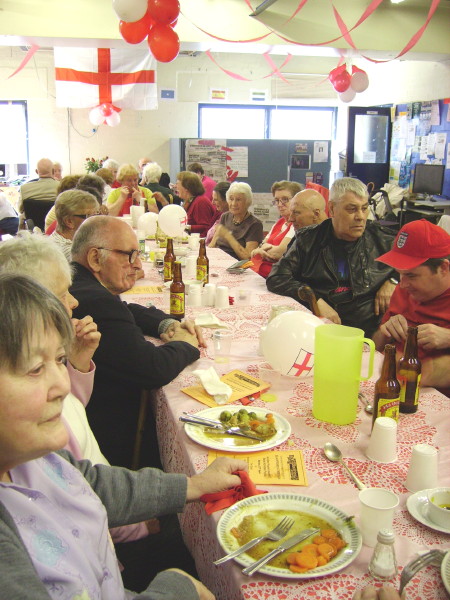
[
  {"x": 445, "y": 571},
  {"x": 254, "y": 516},
  {"x": 270, "y": 427}
]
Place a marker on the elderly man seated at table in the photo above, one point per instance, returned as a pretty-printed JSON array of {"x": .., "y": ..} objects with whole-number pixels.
[
  {"x": 238, "y": 232},
  {"x": 54, "y": 510},
  {"x": 275, "y": 243},
  {"x": 130, "y": 193},
  {"x": 105, "y": 252},
  {"x": 420, "y": 255},
  {"x": 72, "y": 208},
  {"x": 337, "y": 260},
  {"x": 44, "y": 188},
  {"x": 307, "y": 208}
]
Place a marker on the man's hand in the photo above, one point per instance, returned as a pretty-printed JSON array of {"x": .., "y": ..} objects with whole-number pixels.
[
  {"x": 383, "y": 297},
  {"x": 371, "y": 592},
  {"x": 396, "y": 327},
  {"x": 215, "y": 478},
  {"x": 433, "y": 337},
  {"x": 328, "y": 312},
  {"x": 87, "y": 339},
  {"x": 202, "y": 591},
  {"x": 189, "y": 326}
]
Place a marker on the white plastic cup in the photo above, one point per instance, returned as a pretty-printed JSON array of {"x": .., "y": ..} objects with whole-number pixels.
[
  {"x": 422, "y": 472},
  {"x": 195, "y": 295},
  {"x": 136, "y": 212},
  {"x": 190, "y": 270},
  {"x": 222, "y": 299},
  {"x": 194, "y": 241},
  {"x": 222, "y": 345},
  {"x": 209, "y": 294},
  {"x": 382, "y": 446},
  {"x": 377, "y": 508}
]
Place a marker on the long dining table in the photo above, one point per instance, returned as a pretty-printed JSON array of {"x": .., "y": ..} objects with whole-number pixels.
[{"x": 326, "y": 481}]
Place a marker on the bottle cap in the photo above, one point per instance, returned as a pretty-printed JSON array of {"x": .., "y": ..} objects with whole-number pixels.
[{"x": 386, "y": 536}]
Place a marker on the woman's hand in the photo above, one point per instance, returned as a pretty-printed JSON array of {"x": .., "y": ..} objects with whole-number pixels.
[
  {"x": 215, "y": 478},
  {"x": 87, "y": 339}
]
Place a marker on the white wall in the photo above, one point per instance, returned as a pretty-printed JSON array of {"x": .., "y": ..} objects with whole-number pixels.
[{"x": 67, "y": 135}]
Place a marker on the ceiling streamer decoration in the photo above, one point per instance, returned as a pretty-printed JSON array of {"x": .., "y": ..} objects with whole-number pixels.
[{"x": 275, "y": 70}]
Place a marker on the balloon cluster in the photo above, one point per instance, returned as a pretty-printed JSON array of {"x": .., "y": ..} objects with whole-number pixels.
[
  {"x": 106, "y": 114},
  {"x": 348, "y": 85},
  {"x": 151, "y": 19}
]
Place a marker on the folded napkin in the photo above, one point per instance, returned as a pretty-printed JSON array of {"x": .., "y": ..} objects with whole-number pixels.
[
  {"x": 209, "y": 320},
  {"x": 210, "y": 380},
  {"x": 221, "y": 500}
]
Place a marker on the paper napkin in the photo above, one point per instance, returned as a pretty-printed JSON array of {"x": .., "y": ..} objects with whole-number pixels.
[
  {"x": 210, "y": 380},
  {"x": 209, "y": 320},
  {"x": 220, "y": 500}
]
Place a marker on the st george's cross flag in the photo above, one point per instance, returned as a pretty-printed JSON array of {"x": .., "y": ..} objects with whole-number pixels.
[{"x": 87, "y": 77}]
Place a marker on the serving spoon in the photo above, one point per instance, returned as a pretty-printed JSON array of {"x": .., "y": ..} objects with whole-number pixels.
[{"x": 333, "y": 453}]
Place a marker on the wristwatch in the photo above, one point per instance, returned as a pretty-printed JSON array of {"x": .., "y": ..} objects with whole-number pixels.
[{"x": 394, "y": 280}]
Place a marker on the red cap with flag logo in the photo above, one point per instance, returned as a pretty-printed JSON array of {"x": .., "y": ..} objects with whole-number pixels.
[{"x": 415, "y": 243}]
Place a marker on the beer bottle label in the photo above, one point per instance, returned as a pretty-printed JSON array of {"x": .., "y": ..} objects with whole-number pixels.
[
  {"x": 409, "y": 390},
  {"x": 202, "y": 273},
  {"x": 168, "y": 272},
  {"x": 177, "y": 304},
  {"x": 388, "y": 407}
]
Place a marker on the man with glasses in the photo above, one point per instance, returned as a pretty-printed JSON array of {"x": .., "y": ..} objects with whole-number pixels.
[
  {"x": 105, "y": 252},
  {"x": 337, "y": 260}
]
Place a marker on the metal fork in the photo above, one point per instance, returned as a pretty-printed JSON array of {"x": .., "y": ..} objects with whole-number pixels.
[
  {"x": 419, "y": 563},
  {"x": 276, "y": 534}
]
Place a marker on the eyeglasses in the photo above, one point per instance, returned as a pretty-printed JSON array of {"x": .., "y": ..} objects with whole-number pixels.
[
  {"x": 282, "y": 201},
  {"x": 132, "y": 254},
  {"x": 84, "y": 217}
]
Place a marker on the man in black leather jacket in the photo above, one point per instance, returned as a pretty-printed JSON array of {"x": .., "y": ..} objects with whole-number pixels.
[{"x": 337, "y": 260}]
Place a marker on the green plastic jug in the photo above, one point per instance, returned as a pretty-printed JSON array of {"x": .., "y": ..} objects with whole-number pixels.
[{"x": 337, "y": 372}]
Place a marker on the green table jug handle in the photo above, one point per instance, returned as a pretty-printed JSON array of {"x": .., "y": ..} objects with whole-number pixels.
[{"x": 371, "y": 357}]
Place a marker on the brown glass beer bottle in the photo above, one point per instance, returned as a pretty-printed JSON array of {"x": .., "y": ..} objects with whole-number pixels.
[
  {"x": 202, "y": 263},
  {"x": 177, "y": 293},
  {"x": 387, "y": 388},
  {"x": 409, "y": 370},
  {"x": 169, "y": 259}
]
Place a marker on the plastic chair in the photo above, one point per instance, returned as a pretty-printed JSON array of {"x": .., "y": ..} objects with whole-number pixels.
[
  {"x": 389, "y": 218},
  {"x": 36, "y": 210},
  {"x": 325, "y": 192}
]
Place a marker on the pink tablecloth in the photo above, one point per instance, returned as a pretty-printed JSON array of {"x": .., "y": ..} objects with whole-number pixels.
[{"x": 431, "y": 424}]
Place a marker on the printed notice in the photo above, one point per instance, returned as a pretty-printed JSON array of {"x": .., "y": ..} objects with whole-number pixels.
[
  {"x": 237, "y": 160},
  {"x": 145, "y": 289},
  {"x": 277, "y": 467},
  {"x": 320, "y": 152}
]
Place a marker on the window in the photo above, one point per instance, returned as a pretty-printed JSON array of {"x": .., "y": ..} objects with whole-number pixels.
[
  {"x": 265, "y": 122},
  {"x": 13, "y": 138}
]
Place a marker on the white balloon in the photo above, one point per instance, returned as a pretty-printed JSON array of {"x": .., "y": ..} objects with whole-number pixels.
[
  {"x": 95, "y": 116},
  {"x": 359, "y": 81},
  {"x": 130, "y": 10},
  {"x": 348, "y": 95},
  {"x": 173, "y": 220},
  {"x": 287, "y": 343},
  {"x": 148, "y": 223},
  {"x": 113, "y": 119}
]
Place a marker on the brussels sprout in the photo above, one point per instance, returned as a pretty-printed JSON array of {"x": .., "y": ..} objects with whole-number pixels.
[{"x": 225, "y": 415}]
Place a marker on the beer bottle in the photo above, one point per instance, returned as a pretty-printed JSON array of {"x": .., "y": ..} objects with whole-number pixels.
[
  {"x": 169, "y": 259},
  {"x": 177, "y": 293},
  {"x": 202, "y": 263},
  {"x": 409, "y": 370},
  {"x": 387, "y": 388}
]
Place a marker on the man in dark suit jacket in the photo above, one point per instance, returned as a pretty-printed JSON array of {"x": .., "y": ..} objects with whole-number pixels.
[{"x": 106, "y": 260}]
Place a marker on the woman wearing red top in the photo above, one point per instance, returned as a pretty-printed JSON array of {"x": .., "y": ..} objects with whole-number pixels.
[
  {"x": 200, "y": 211},
  {"x": 276, "y": 241}
]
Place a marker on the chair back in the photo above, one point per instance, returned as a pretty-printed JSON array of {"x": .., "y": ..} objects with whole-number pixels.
[
  {"x": 322, "y": 190},
  {"x": 37, "y": 210}
]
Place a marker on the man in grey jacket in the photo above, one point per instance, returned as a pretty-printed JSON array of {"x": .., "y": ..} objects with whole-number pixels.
[{"x": 337, "y": 260}]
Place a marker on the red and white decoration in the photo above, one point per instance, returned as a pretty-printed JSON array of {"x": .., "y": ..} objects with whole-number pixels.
[
  {"x": 348, "y": 85},
  {"x": 105, "y": 79}
]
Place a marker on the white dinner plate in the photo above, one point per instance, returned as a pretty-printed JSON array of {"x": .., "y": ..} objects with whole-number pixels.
[
  {"x": 445, "y": 571},
  {"x": 417, "y": 505},
  {"x": 197, "y": 434},
  {"x": 288, "y": 502}
]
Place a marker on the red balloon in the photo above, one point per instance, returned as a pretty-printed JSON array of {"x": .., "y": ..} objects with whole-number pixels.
[
  {"x": 164, "y": 11},
  {"x": 137, "y": 31},
  {"x": 106, "y": 109},
  {"x": 164, "y": 43},
  {"x": 336, "y": 72},
  {"x": 342, "y": 82}
]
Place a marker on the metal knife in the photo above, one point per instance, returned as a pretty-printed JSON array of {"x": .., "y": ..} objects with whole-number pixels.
[
  {"x": 296, "y": 539},
  {"x": 220, "y": 428}
]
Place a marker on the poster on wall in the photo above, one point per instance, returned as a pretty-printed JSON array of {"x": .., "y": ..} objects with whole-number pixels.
[
  {"x": 300, "y": 161},
  {"x": 237, "y": 160},
  {"x": 320, "y": 152},
  {"x": 211, "y": 154}
]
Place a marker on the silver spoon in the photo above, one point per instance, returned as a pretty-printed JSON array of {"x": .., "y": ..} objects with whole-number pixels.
[
  {"x": 333, "y": 453},
  {"x": 368, "y": 406}
]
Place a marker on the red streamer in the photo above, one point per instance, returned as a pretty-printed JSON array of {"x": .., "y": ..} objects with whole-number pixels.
[
  {"x": 28, "y": 56},
  {"x": 275, "y": 70}
]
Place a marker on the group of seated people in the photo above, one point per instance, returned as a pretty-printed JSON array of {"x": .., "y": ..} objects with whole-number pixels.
[{"x": 56, "y": 316}]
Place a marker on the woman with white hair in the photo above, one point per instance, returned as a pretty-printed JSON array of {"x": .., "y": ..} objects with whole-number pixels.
[
  {"x": 239, "y": 232},
  {"x": 72, "y": 208},
  {"x": 150, "y": 180}
]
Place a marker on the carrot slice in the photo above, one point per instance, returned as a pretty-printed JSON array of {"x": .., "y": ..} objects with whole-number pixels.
[
  {"x": 337, "y": 543},
  {"x": 306, "y": 560},
  {"x": 235, "y": 531},
  {"x": 313, "y": 548},
  {"x": 321, "y": 560},
  {"x": 319, "y": 539},
  {"x": 292, "y": 558},
  {"x": 297, "y": 569},
  {"x": 327, "y": 550},
  {"x": 328, "y": 533}
]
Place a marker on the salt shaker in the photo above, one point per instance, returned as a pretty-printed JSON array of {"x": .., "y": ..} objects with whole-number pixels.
[{"x": 383, "y": 564}]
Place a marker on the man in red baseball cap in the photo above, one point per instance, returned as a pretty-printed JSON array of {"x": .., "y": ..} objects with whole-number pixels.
[{"x": 420, "y": 254}]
